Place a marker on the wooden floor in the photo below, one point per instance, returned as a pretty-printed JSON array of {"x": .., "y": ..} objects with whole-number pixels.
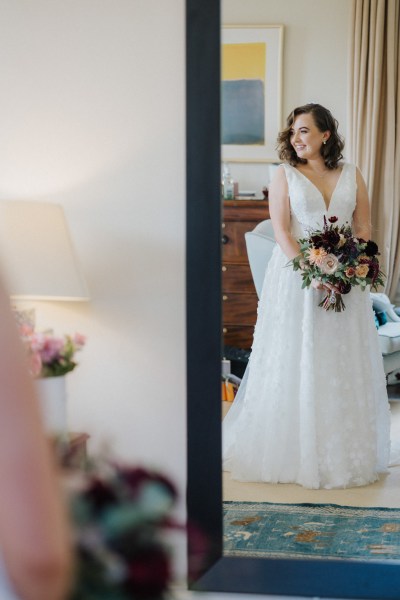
[{"x": 384, "y": 493}]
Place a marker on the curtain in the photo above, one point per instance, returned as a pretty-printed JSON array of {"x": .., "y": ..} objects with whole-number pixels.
[{"x": 374, "y": 131}]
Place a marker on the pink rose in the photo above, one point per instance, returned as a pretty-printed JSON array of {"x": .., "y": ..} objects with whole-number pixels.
[{"x": 329, "y": 264}]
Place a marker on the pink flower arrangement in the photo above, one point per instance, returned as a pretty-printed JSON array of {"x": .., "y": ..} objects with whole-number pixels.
[{"x": 50, "y": 355}]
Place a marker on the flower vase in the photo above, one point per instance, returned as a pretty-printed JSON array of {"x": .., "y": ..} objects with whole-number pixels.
[{"x": 53, "y": 401}]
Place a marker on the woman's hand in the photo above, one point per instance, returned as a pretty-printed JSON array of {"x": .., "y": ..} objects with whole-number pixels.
[{"x": 319, "y": 285}]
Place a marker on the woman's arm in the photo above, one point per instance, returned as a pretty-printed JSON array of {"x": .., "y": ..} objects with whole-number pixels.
[
  {"x": 362, "y": 214},
  {"x": 34, "y": 536},
  {"x": 279, "y": 209}
]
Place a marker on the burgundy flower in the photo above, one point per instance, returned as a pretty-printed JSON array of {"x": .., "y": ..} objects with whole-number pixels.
[
  {"x": 330, "y": 239},
  {"x": 373, "y": 270},
  {"x": 317, "y": 241},
  {"x": 99, "y": 495},
  {"x": 349, "y": 250},
  {"x": 344, "y": 287},
  {"x": 136, "y": 477},
  {"x": 364, "y": 260},
  {"x": 149, "y": 572},
  {"x": 371, "y": 248},
  {"x": 332, "y": 219}
]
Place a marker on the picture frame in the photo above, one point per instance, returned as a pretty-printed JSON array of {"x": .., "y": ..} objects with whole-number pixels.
[{"x": 251, "y": 92}]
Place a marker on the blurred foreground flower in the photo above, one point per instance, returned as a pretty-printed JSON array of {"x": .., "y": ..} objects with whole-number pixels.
[{"x": 120, "y": 516}]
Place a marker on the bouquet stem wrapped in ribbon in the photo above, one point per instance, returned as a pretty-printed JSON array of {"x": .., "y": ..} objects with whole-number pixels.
[{"x": 333, "y": 255}]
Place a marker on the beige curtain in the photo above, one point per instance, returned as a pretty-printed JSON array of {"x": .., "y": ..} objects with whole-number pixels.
[{"x": 374, "y": 130}]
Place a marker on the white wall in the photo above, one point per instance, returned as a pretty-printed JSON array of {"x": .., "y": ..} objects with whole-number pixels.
[
  {"x": 315, "y": 60},
  {"x": 92, "y": 117}
]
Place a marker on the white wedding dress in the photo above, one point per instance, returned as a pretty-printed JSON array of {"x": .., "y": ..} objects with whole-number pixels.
[{"x": 312, "y": 407}]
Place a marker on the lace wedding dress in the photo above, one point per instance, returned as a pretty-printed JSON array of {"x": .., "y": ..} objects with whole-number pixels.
[{"x": 312, "y": 407}]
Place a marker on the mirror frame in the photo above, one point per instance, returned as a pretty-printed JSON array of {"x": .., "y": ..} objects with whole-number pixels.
[{"x": 209, "y": 570}]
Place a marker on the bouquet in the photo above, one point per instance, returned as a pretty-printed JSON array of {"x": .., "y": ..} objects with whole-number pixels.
[
  {"x": 333, "y": 255},
  {"x": 50, "y": 355},
  {"x": 120, "y": 515}
]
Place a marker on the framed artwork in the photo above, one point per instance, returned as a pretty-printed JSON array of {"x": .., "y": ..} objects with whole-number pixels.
[{"x": 251, "y": 92}]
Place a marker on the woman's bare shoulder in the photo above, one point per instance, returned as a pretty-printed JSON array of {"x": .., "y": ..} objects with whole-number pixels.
[{"x": 279, "y": 181}]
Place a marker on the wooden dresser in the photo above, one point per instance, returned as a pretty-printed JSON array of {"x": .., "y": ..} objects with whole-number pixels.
[{"x": 239, "y": 298}]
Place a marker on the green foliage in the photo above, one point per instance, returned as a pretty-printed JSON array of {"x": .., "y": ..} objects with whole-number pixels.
[{"x": 332, "y": 255}]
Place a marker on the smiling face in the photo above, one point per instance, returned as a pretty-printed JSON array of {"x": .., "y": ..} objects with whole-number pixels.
[{"x": 306, "y": 138}]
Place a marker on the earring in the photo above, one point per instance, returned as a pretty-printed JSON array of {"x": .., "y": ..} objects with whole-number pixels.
[{"x": 324, "y": 142}]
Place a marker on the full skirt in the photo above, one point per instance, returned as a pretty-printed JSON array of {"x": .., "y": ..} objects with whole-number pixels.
[{"x": 312, "y": 407}]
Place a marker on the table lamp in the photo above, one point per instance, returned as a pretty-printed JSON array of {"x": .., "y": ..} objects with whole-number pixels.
[{"x": 37, "y": 257}]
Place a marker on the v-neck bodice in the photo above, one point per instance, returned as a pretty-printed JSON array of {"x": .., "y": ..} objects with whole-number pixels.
[
  {"x": 307, "y": 203},
  {"x": 317, "y": 188}
]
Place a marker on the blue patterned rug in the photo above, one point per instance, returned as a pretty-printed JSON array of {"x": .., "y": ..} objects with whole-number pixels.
[{"x": 325, "y": 531}]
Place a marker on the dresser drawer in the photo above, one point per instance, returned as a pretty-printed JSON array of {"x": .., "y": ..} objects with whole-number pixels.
[
  {"x": 233, "y": 240},
  {"x": 240, "y": 300},
  {"x": 238, "y": 336},
  {"x": 239, "y": 309},
  {"x": 237, "y": 278},
  {"x": 246, "y": 210}
]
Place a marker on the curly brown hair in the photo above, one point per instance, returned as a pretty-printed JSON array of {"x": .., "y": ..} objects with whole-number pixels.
[{"x": 331, "y": 151}]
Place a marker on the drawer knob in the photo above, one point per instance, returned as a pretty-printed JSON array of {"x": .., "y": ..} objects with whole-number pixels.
[
  {"x": 223, "y": 225},
  {"x": 225, "y": 239},
  {"x": 224, "y": 268},
  {"x": 224, "y": 330},
  {"x": 224, "y": 298}
]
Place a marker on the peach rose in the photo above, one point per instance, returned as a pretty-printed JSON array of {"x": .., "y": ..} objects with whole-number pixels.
[
  {"x": 362, "y": 270},
  {"x": 329, "y": 264}
]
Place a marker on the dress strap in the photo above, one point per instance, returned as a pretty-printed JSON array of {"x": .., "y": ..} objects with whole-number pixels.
[{"x": 290, "y": 175}]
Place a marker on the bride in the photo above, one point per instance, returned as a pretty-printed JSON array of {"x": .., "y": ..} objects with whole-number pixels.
[{"x": 312, "y": 407}]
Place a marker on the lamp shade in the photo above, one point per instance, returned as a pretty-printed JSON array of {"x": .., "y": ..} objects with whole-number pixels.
[{"x": 36, "y": 253}]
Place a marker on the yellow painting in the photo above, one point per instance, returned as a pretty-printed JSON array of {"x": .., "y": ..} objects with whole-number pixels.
[
  {"x": 251, "y": 65},
  {"x": 243, "y": 93},
  {"x": 244, "y": 61}
]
